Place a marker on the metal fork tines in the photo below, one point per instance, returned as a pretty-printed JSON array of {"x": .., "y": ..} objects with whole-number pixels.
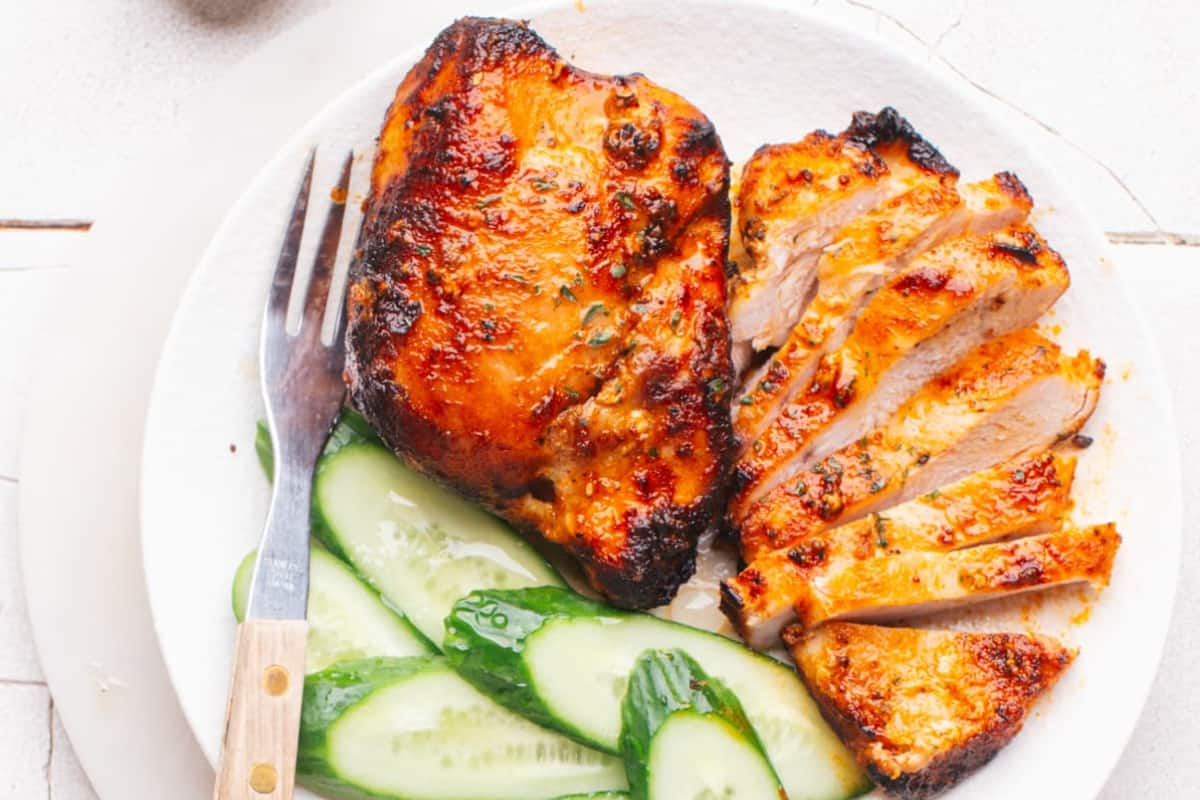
[{"x": 303, "y": 389}]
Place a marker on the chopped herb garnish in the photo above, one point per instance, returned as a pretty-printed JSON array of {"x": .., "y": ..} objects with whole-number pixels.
[
  {"x": 487, "y": 201},
  {"x": 544, "y": 185},
  {"x": 676, "y": 315},
  {"x": 934, "y": 495},
  {"x": 863, "y": 443},
  {"x": 717, "y": 385},
  {"x": 488, "y": 307},
  {"x": 626, "y": 200},
  {"x": 617, "y": 271},
  {"x": 424, "y": 249},
  {"x": 881, "y": 531},
  {"x": 768, "y": 386},
  {"x": 653, "y": 451},
  {"x": 566, "y": 292},
  {"x": 877, "y": 485},
  {"x": 799, "y": 490},
  {"x": 746, "y": 400},
  {"x": 574, "y": 395},
  {"x": 600, "y": 338},
  {"x": 512, "y": 276},
  {"x": 819, "y": 469},
  {"x": 592, "y": 311}
]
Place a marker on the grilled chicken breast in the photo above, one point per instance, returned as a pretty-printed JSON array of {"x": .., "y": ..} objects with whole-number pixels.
[
  {"x": 922, "y": 709},
  {"x": 1025, "y": 496},
  {"x": 921, "y": 323},
  {"x": 537, "y": 313},
  {"x": 1010, "y": 395},
  {"x": 863, "y": 255},
  {"x": 794, "y": 198},
  {"x": 912, "y": 584}
]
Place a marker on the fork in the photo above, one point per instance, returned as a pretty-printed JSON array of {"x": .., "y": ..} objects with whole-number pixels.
[{"x": 303, "y": 389}]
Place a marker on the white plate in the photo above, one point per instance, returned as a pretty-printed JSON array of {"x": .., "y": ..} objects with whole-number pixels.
[{"x": 762, "y": 74}]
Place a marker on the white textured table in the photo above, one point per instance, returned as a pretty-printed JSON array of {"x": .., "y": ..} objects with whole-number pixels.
[{"x": 1112, "y": 97}]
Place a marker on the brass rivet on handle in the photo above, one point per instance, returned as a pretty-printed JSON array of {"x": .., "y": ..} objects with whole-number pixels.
[
  {"x": 275, "y": 680},
  {"x": 263, "y": 778}
]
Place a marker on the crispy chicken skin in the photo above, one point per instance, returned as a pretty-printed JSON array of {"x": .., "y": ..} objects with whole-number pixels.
[
  {"x": 536, "y": 316},
  {"x": 1025, "y": 496},
  {"x": 923, "y": 709}
]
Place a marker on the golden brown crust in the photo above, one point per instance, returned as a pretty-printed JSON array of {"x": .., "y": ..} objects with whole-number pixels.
[
  {"x": 910, "y": 584},
  {"x": 914, "y": 303},
  {"x": 537, "y": 313},
  {"x": 1028, "y": 495},
  {"x": 863, "y": 472},
  {"x": 923, "y": 709}
]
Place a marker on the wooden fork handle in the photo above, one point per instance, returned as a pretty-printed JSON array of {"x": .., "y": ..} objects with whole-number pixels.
[{"x": 262, "y": 718}]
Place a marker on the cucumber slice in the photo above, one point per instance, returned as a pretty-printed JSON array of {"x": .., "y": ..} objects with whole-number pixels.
[
  {"x": 412, "y": 729},
  {"x": 346, "y": 620},
  {"x": 684, "y": 735},
  {"x": 419, "y": 544},
  {"x": 564, "y": 661}
]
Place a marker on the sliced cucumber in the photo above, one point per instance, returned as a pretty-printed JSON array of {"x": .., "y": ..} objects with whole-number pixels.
[
  {"x": 412, "y": 729},
  {"x": 684, "y": 735},
  {"x": 564, "y": 661},
  {"x": 346, "y": 620},
  {"x": 419, "y": 544}
]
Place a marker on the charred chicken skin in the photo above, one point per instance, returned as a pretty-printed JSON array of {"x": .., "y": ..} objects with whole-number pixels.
[{"x": 536, "y": 314}]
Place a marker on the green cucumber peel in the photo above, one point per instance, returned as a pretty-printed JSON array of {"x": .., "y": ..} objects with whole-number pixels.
[
  {"x": 664, "y": 683},
  {"x": 485, "y": 636},
  {"x": 327, "y": 696}
]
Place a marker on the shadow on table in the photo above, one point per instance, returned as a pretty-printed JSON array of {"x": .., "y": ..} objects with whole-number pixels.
[{"x": 230, "y": 13}]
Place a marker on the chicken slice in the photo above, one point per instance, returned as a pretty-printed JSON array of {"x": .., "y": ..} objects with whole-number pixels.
[
  {"x": 863, "y": 256},
  {"x": 923, "y": 709},
  {"x": 919, "y": 583},
  {"x": 793, "y": 200},
  {"x": 1025, "y": 496},
  {"x": 927, "y": 318},
  {"x": 1010, "y": 395},
  {"x": 537, "y": 315}
]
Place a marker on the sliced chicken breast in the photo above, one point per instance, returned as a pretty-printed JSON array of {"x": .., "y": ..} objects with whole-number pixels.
[
  {"x": 921, "y": 323},
  {"x": 1022, "y": 497},
  {"x": 865, "y": 253},
  {"x": 1010, "y": 395},
  {"x": 793, "y": 200},
  {"x": 922, "y": 709},
  {"x": 918, "y": 583}
]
